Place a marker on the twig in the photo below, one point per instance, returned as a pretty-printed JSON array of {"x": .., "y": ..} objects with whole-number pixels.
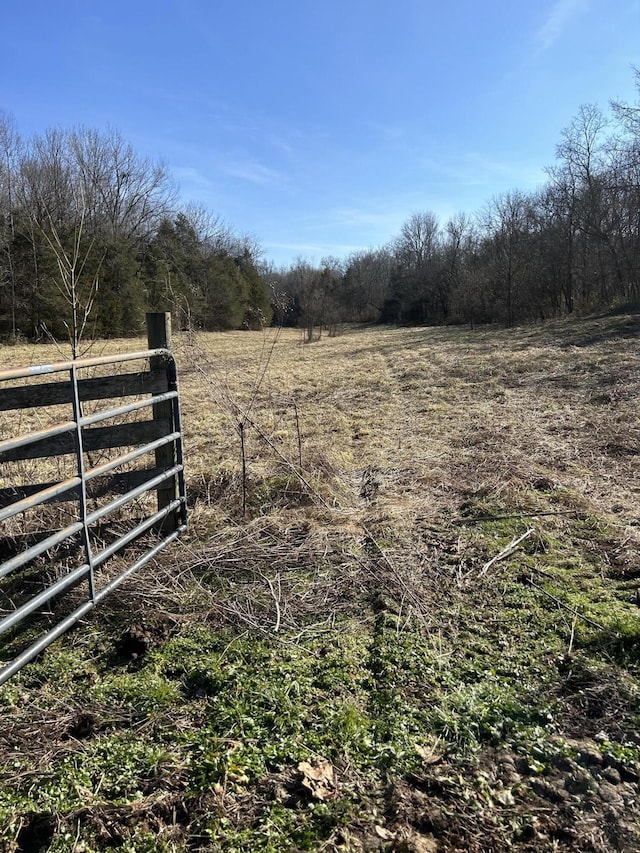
[
  {"x": 520, "y": 515},
  {"x": 573, "y": 633},
  {"x": 406, "y": 590},
  {"x": 276, "y": 601},
  {"x": 570, "y": 609},
  {"x": 263, "y": 366},
  {"x": 243, "y": 418},
  {"x": 295, "y": 409},
  {"x": 77, "y": 838},
  {"x": 543, "y": 573},
  {"x": 244, "y": 468},
  {"x": 506, "y": 552},
  {"x": 292, "y": 467}
]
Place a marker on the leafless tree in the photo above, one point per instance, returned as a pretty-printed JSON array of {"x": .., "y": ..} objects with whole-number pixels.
[{"x": 10, "y": 152}]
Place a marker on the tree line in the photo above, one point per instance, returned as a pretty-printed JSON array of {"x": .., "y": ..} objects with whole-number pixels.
[
  {"x": 572, "y": 245},
  {"x": 91, "y": 237}
]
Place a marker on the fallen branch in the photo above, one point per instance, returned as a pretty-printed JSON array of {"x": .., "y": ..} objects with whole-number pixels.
[
  {"x": 570, "y": 609},
  {"x": 276, "y": 601},
  {"x": 476, "y": 519},
  {"x": 506, "y": 552}
]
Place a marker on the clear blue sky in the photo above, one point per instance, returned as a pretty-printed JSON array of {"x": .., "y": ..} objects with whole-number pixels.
[{"x": 319, "y": 126}]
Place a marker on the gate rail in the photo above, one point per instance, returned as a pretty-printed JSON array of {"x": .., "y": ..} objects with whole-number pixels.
[{"x": 161, "y": 436}]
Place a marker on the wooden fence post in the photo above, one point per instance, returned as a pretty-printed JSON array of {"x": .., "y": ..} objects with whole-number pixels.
[{"x": 159, "y": 337}]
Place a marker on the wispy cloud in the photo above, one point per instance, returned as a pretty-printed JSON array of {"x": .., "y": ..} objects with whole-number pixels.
[
  {"x": 357, "y": 217},
  {"x": 480, "y": 169},
  {"x": 390, "y": 134},
  {"x": 280, "y": 144},
  {"x": 557, "y": 21},
  {"x": 255, "y": 173},
  {"x": 191, "y": 178},
  {"x": 469, "y": 168}
]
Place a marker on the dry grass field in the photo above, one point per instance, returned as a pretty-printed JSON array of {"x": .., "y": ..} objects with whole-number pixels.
[{"x": 413, "y": 624}]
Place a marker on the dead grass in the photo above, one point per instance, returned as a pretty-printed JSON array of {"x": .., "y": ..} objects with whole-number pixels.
[
  {"x": 385, "y": 469},
  {"x": 427, "y": 410}
]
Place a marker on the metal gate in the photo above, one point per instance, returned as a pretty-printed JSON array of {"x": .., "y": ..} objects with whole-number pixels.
[{"x": 92, "y": 526}]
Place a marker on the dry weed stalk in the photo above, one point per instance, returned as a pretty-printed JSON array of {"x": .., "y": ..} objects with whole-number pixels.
[
  {"x": 240, "y": 414},
  {"x": 440, "y": 423}
]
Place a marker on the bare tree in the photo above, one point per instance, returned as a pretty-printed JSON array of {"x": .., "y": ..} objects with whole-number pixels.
[
  {"x": 77, "y": 282},
  {"x": 212, "y": 231},
  {"x": 10, "y": 149},
  {"x": 418, "y": 240},
  {"x": 125, "y": 195},
  {"x": 366, "y": 284},
  {"x": 582, "y": 154},
  {"x": 418, "y": 290},
  {"x": 459, "y": 246},
  {"x": 508, "y": 221}
]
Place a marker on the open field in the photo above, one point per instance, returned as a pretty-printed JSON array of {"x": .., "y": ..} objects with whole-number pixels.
[{"x": 421, "y": 635}]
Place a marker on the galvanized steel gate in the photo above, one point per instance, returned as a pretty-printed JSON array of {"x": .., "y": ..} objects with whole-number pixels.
[{"x": 29, "y": 555}]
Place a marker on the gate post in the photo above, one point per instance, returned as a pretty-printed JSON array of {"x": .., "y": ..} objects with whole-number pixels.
[{"x": 159, "y": 337}]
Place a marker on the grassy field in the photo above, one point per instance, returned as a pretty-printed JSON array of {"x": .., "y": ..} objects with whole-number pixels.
[{"x": 412, "y": 626}]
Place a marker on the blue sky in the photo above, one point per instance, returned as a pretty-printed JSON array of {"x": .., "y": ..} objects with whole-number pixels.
[{"x": 319, "y": 126}]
